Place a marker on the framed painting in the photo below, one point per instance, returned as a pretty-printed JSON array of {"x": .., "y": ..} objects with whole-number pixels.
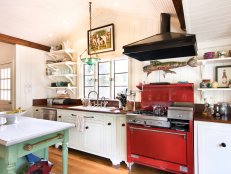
[
  {"x": 101, "y": 39},
  {"x": 223, "y": 76}
]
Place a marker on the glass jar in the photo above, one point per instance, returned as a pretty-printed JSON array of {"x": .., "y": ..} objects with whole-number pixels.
[{"x": 223, "y": 108}]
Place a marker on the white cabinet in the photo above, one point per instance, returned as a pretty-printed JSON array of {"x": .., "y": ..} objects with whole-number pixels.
[
  {"x": 212, "y": 148},
  {"x": 38, "y": 112},
  {"x": 75, "y": 137},
  {"x": 104, "y": 134},
  {"x": 121, "y": 138}
]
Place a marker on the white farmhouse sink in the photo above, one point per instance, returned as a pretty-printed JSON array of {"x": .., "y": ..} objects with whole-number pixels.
[{"x": 93, "y": 108}]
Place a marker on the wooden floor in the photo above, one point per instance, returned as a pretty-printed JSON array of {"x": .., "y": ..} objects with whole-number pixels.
[{"x": 83, "y": 163}]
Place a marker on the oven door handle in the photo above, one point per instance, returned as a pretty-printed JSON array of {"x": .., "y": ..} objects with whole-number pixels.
[{"x": 159, "y": 131}]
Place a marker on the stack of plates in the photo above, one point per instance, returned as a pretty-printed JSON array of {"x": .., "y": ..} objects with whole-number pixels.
[{"x": 209, "y": 55}]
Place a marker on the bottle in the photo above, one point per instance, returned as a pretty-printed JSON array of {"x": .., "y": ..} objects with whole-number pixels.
[
  {"x": 206, "y": 108},
  {"x": 224, "y": 78}
]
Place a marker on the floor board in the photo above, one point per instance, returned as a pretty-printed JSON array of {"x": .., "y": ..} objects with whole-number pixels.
[{"x": 84, "y": 163}]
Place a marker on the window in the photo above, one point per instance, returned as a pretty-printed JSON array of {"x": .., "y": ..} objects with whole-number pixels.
[
  {"x": 120, "y": 76},
  {"x": 89, "y": 79},
  {"x": 106, "y": 77},
  {"x": 5, "y": 84}
]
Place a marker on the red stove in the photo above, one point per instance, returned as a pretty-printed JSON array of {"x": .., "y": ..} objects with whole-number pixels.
[{"x": 160, "y": 135}]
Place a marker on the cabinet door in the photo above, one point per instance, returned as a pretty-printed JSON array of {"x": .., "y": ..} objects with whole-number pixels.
[
  {"x": 75, "y": 137},
  {"x": 214, "y": 149},
  {"x": 121, "y": 143},
  {"x": 38, "y": 112},
  {"x": 109, "y": 136},
  {"x": 93, "y": 137}
]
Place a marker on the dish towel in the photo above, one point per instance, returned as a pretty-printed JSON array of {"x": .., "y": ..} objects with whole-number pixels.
[{"x": 80, "y": 123}]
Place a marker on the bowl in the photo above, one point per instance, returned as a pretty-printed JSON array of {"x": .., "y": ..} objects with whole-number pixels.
[
  {"x": 2, "y": 120},
  {"x": 209, "y": 55},
  {"x": 11, "y": 118}
]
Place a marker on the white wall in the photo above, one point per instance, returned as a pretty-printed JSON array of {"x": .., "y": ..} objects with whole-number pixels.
[
  {"x": 132, "y": 28},
  {"x": 31, "y": 81}
]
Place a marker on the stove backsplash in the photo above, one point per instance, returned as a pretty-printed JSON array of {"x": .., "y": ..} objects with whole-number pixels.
[{"x": 166, "y": 95}]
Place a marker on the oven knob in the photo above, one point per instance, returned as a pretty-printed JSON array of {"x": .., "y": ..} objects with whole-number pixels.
[{"x": 180, "y": 116}]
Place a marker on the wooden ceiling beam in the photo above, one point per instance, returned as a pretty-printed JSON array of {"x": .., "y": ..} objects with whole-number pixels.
[
  {"x": 180, "y": 13},
  {"x": 14, "y": 40}
]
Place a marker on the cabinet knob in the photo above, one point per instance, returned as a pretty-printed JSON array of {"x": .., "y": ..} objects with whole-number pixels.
[
  {"x": 223, "y": 145},
  {"x": 36, "y": 110},
  {"x": 109, "y": 124},
  {"x": 60, "y": 116},
  {"x": 123, "y": 125},
  {"x": 86, "y": 127}
]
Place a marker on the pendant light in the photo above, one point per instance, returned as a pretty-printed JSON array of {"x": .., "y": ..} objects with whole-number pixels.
[{"x": 88, "y": 59}]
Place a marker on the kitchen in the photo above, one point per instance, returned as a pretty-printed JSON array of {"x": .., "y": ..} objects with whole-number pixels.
[{"x": 30, "y": 76}]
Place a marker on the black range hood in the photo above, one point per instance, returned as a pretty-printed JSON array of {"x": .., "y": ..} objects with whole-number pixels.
[{"x": 164, "y": 45}]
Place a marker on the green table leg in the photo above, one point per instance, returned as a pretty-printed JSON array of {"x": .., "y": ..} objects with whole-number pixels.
[
  {"x": 65, "y": 153},
  {"x": 11, "y": 168},
  {"x": 11, "y": 159}
]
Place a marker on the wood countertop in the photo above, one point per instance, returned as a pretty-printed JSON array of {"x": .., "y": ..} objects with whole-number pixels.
[
  {"x": 223, "y": 119},
  {"x": 67, "y": 107}
]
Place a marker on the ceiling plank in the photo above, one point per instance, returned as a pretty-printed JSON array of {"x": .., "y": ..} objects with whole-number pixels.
[
  {"x": 14, "y": 40},
  {"x": 180, "y": 13}
]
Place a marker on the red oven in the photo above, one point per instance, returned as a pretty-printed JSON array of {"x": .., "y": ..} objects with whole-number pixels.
[{"x": 163, "y": 141}]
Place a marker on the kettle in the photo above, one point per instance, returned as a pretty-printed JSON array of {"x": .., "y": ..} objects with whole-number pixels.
[{"x": 222, "y": 109}]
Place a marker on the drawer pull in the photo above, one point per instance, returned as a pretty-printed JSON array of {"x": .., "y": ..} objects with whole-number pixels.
[
  {"x": 60, "y": 116},
  {"x": 223, "y": 145},
  {"x": 123, "y": 125},
  {"x": 109, "y": 124},
  {"x": 86, "y": 127},
  {"x": 29, "y": 147},
  {"x": 73, "y": 115},
  {"x": 89, "y": 117}
]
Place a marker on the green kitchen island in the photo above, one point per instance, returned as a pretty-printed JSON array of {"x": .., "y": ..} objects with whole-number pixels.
[{"x": 31, "y": 135}]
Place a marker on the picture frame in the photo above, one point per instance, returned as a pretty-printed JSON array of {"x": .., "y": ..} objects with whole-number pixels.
[
  {"x": 223, "y": 75},
  {"x": 101, "y": 39}
]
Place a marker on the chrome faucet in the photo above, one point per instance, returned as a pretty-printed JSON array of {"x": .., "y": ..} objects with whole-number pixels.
[
  {"x": 103, "y": 102},
  {"x": 97, "y": 102}
]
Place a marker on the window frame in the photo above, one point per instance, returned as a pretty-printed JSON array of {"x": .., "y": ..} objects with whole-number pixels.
[{"x": 112, "y": 75}]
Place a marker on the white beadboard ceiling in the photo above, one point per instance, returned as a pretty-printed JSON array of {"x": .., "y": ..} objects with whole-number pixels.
[
  {"x": 33, "y": 20},
  {"x": 210, "y": 20}
]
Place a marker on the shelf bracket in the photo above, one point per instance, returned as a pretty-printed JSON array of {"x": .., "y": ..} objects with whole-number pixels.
[
  {"x": 69, "y": 54},
  {"x": 52, "y": 67},
  {"x": 70, "y": 67},
  {"x": 70, "y": 79}
]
